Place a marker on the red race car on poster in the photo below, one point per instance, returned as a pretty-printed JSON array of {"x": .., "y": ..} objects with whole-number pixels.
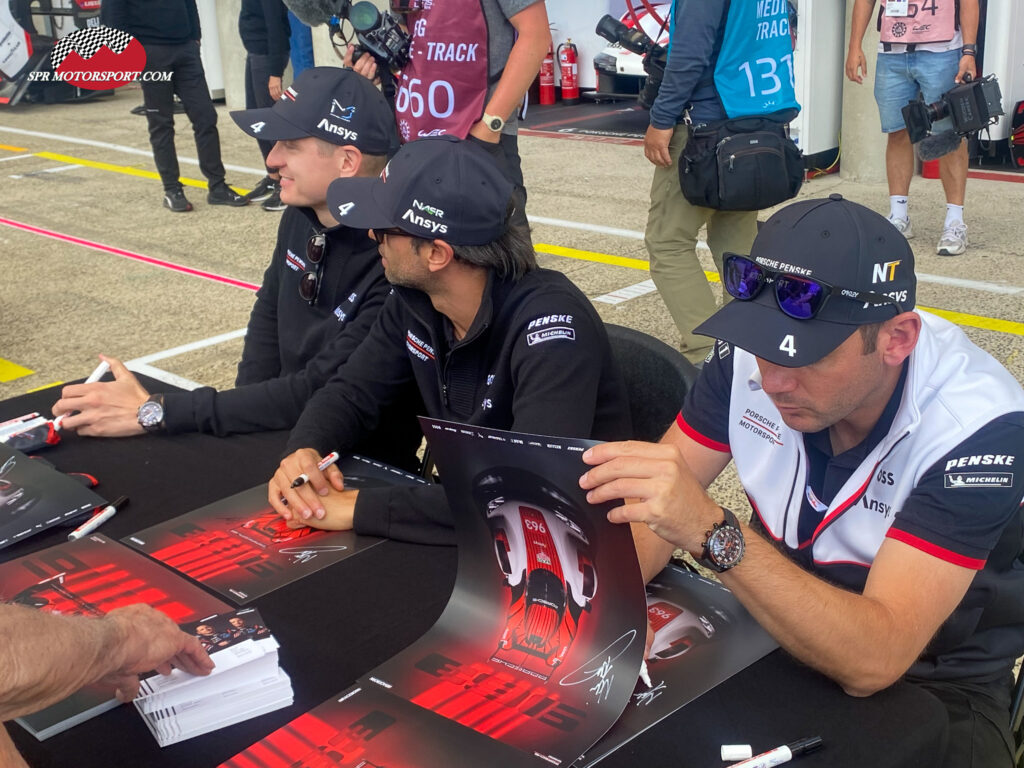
[
  {"x": 545, "y": 559},
  {"x": 676, "y": 629}
]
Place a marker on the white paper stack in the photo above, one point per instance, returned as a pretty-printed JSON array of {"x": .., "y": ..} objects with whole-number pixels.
[{"x": 246, "y": 681}]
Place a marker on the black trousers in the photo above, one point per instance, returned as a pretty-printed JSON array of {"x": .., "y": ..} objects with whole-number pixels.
[
  {"x": 506, "y": 156},
  {"x": 189, "y": 83},
  {"x": 258, "y": 67},
  {"x": 979, "y": 723}
]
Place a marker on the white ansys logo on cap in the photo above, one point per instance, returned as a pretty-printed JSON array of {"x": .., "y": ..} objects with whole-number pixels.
[
  {"x": 338, "y": 112},
  {"x": 435, "y": 227}
]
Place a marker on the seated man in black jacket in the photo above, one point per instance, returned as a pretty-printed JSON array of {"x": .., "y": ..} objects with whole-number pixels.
[
  {"x": 320, "y": 295},
  {"x": 488, "y": 338}
]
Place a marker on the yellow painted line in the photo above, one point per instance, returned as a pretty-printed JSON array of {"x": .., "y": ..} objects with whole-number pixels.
[
  {"x": 600, "y": 258},
  {"x": 127, "y": 170},
  {"x": 975, "y": 321},
  {"x": 13, "y": 149},
  {"x": 10, "y": 371},
  {"x": 960, "y": 318},
  {"x": 46, "y": 386}
]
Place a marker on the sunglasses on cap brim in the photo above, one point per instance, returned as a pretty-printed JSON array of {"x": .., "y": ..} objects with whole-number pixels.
[{"x": 800, "y": 297}]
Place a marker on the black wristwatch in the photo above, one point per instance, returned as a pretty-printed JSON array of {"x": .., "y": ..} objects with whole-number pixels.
[
  {"x": 151, "y": 414},
  {"x": 723, "y": 545}
]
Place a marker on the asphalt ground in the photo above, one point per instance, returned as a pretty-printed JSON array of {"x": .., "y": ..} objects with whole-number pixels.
[{"x": 91, "y": 262}]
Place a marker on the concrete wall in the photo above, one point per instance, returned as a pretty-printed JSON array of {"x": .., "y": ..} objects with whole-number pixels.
[{"x": 863, "y": 145}]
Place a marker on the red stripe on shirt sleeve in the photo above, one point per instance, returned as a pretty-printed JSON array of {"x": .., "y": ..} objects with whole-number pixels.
[
  {"x": 692, "y": 433},
  {"x": 936, "y": 551}
]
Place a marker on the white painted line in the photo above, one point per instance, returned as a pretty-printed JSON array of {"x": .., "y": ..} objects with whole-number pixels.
[
  {"x": 122, "y": 148},
  {"x": 627, "y": 293},
  {"x": 922, "y": 277},
  {"x": 165, "y": 376},
  {"x": 14, "y": 157},
  {"x": 190, "y": 347},
  {"x": 58, "y": 169},
  {"x": 629, "y": 233}
]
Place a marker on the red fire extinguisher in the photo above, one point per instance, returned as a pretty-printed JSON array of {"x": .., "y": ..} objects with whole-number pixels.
[
  {"x": 567, "y": 59},
  {"x": 547, "y": 77}
]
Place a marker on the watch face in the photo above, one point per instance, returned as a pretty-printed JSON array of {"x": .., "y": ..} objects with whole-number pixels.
[
  {"x": 725, "y": 546},
  {"x": 150, "y": 414},
  {"x": 496, "y": 124}
]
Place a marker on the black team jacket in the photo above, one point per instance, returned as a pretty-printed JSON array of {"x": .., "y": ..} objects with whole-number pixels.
[
  {"x": 293, "y": 348},
  {"x": 536, "y": 359}
]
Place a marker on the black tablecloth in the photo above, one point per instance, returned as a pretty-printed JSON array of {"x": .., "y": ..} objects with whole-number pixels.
[{"x": 342, "y": 621}]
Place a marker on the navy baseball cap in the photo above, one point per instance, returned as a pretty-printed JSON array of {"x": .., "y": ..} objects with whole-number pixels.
[
  {"x": 839, "y": 243},
  {"x": 439, "y": 187},
  {"x": 329, "y": 103}
]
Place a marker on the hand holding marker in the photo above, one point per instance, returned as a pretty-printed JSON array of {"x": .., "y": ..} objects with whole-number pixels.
[
  {"x": 325, "y": 462},
  {"x": 98, "y": 373}
]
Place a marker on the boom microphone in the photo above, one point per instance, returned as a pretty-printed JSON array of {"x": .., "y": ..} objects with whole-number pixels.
[
  {"x": 938, "y": 144},
  {"x": 313, "y": 12}
]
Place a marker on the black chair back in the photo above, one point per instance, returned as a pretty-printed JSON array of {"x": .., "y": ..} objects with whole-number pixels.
[{"x": 657, "y": 379}]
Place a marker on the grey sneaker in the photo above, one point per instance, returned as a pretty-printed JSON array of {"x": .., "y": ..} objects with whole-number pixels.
[
  {"x": 273, "y": 203},
  {"x": 954, "y": 240},
  {"x": 176, "y": 201},
  {"x": 902, "y": 226},
  {"x": 222, "y": 194},
  {"x": 262, "y": 191}
]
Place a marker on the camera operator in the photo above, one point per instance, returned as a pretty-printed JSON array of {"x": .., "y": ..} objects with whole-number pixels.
[
  {"x": 930, "y": 58},
  {"x": 711, "y": 42},
  {"x": 471, "y": 63}
]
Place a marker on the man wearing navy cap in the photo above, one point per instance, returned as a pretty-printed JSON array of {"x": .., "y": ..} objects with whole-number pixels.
[
  {"x": 320, "y": 294},
  {"x": 881, "y": 453},
  {"x": 487, "y": 337}
]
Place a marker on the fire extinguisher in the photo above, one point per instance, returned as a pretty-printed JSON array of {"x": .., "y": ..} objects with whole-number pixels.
[
  {"x": 567, "y": 58},
  {"x": 547, "y": 77}
]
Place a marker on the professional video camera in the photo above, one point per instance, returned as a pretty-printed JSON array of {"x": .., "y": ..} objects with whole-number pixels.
[
  {"x": 636, "y": 41},
  {"x": 378, "y": 33},
  {"x": 972, "y": 105}
]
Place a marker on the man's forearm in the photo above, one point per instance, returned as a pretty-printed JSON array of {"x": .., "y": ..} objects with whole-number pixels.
[
  {"x": 523, "y": 63},
  {"x": 34, "y": 674},
  {"x": 862, "y": 11},
  {"x": 864, "y": 642},
  {"x": 969, "y": 17}
]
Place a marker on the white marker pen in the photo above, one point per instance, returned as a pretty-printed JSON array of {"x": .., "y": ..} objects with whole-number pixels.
[
  {"x": 782, "y": 754},
  {"x": 98, "y": 519}
]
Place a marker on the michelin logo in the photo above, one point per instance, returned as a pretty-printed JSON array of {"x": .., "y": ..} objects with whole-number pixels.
[
  {"x": 548, "y": 334},
  {"x": 978, "y": 480}
]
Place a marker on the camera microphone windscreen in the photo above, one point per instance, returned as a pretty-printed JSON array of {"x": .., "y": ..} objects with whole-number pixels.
[
  {"x": 313, "y": 12},
  {"x": 938, "y": 145}
]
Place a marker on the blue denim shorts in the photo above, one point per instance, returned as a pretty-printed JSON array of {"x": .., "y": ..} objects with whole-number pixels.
[{"x": 899, "y": 77}]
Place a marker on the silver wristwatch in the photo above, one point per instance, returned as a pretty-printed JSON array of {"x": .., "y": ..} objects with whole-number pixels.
[{"x": 151, "y": 414}]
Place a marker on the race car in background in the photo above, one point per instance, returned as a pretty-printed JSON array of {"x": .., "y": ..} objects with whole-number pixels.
[
  {"x": 621, "y": 71},
  {"x": 545, "y": 559}
]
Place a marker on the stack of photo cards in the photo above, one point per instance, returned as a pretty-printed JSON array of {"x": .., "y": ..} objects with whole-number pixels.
[{"x": 246, "y": 681}]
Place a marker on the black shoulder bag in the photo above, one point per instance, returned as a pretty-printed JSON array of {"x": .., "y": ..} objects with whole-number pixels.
[{"x": 740, "y": 164}]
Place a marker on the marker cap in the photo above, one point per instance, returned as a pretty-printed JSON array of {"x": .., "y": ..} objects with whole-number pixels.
[{"x": 733, "y": 752}]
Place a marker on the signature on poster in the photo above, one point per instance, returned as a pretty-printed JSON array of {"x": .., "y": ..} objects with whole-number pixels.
[
  {"x": 305, "y": 554},
  {"x": 599, "y": 668},
  {"x": 643, "y": 698}
]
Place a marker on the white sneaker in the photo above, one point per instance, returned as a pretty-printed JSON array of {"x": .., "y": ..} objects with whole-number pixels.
[
  {"x": 902, "y": 225},
  {"x": 954, "y": 240}
]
